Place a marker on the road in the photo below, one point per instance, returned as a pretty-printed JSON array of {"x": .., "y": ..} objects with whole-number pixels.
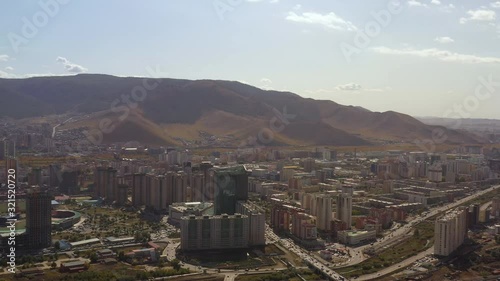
[
  {"x": 397, "y": 266},
  {"x": 399, "y": 233},
  {"x": 170, "y": 253},
  {"x": 429, "y": 251},
  {"x": 55, "y": 127},
  {"x": 305, "y": 255}
]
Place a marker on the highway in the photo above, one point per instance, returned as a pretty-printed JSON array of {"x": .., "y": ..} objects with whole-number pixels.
[
  {"x": 406, "y": 230},
  {"x": 305, "y": 255},
  {"x": 429, "y": 251},
  {"x": 397, "y": 266}
]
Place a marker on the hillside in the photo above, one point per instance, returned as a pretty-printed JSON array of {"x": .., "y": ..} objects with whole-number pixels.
[{"x": 177, "y": 111}]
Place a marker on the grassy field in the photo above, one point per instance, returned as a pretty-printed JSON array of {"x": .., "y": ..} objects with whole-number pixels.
[
  {"x": 211, "y": 277},
  {"x": 20, "y": 205},
  {"x": 421, "y": 240},
  {"x": 96, "y": 272},
  {"x": 285, "y": 275}
]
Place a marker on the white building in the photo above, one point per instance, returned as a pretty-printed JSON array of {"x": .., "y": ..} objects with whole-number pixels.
[
  {"x": 355, "y": 237},
  {"x": 324, "y": 213},
  {"x": 256, "y": 224},
  {"x": 344, "y": 206},
  {"x": 435, "y": 173},
  {"x": 450, "y": 232}
]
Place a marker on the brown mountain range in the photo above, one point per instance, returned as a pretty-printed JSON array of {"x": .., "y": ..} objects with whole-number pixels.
[{"x": 227, "y": 112}]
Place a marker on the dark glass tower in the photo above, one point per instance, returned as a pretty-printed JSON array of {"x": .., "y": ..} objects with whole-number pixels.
[
  {"x": 38, "y": 219},
  {"x": 231, "y": 186}
]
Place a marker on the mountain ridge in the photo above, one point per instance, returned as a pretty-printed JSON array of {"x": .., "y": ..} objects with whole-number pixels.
[{"x": 181, "y": 108}]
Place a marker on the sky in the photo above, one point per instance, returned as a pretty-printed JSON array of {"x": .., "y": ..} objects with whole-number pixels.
[{"x": 421, "y": 57}]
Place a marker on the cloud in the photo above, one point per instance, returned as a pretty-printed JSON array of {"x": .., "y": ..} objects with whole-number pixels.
[
  {"x": 266, "y": 81},
  {"x": 495, "y": 5},
  {"x": 349, "y": 87},
  {"x": 436, "y": 2},
  {"x": 481, "y": 15},
  {"x": 330, "y": 20},
  {"x": 297, "y": 7},
  {"x": 9, "y": 68},
  {"x": 448, "y": 8},
  {"x": 415, "y": 3},
  {"x": 441, "y": 55},
  {"x": 29, "y": 75},
  {"x": 266, "y": 84},
  {"x": 71, "y": 67},
  {"x": 4, "y": 57},
  {"x": 4, "y": 74},
  {"x": 444, "y": 40}
]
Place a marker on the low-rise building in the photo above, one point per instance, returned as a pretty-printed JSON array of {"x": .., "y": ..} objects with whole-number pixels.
[{"x": 356, "y": 237}]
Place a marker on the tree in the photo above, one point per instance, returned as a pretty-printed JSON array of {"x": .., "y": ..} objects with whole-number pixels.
[
  {"x": 57, "y": 245},
  {"x": 93, "y": 257},
  {"x": 175, "y": 263},
  {"x": 121, "y": 256},
  {"x": 53, "y": 264}
]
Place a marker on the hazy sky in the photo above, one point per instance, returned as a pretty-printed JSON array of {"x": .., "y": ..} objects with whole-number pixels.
[{"x": 424, "y": 58}]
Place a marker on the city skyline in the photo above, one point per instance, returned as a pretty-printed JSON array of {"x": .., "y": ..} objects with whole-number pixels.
[{"x": 432, "y": 53}]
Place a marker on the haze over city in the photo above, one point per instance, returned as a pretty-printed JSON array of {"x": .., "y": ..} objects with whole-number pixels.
[{"x": 249, "y": 140}]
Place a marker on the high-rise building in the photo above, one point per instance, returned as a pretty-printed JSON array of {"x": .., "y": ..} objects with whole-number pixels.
[
  {"x": 309, "y": 165},
  {"x": 256, "y": 223},
  {"x": 324, "y": 212},
  {"x": 231, "y": 186},
  {"x": 7, "y": 149},
  {"x": 138, "y": 185},
  {"x": 159, "y": 193},
  {"x": 450, "y": 232},
  {"x": 54, "y": 175},
  {"x": 69, "y": 184},
  {"x": 303, "y": 226},
  {"x": 208, "y": 182},
  {"x": 105, "y": 183},
  {"x": 214, "y": 232},
  {"x": 196, "y": 182},
  {"x": 495, "y": 207},
  {"x": 280, "y": 219},
  {"x": 10, "y": 163},
  {"x": 344, "y": 206},
  {"x": 35, "y": 177},
  {"x": 121, "y": 199},
  {"x": 38, "y": 218},
  {"x": 473, "y": 215},
  {"x": 180, "y": 187}
]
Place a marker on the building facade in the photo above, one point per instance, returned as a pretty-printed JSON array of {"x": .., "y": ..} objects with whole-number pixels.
[
  {"x": 214, "y": 232},
  {"x": 450, "y": 232},
  {"x": 344, "y": 206},
  {"x": 38, "y": 219}
]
